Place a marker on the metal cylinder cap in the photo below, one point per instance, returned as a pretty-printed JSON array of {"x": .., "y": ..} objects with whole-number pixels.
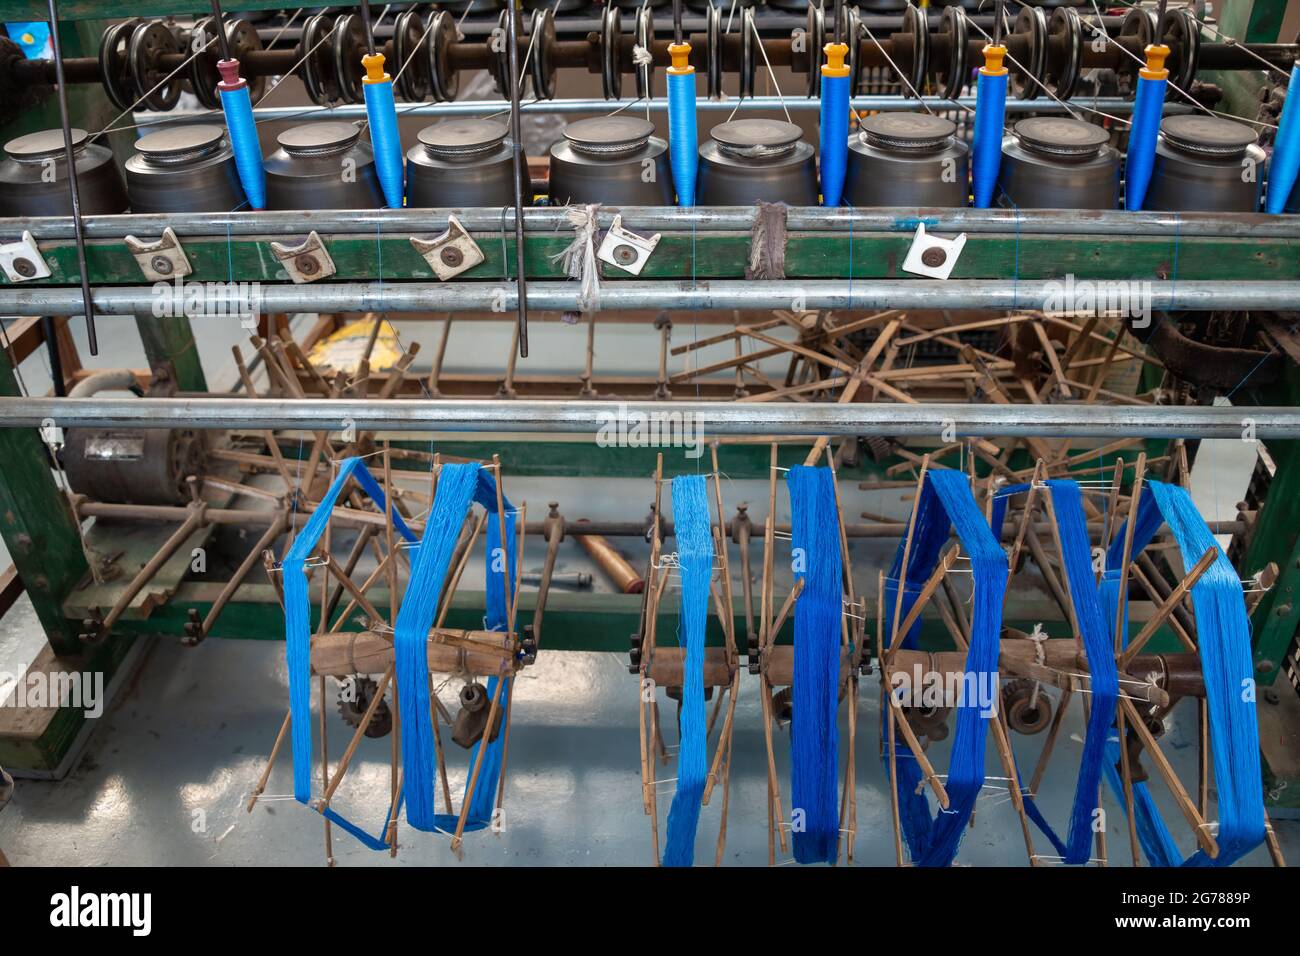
[
  {"x": 178, "y": 144},
  {"x": 919, "y": 131},
  {"x": 1061, "y": 136},
  {"x": 756, "y": 137},
  {"x": 316, "y": 139},
  {"x": 462, "y": 138},
  {"x": 608, "y": 134},
  {"x": 1207, "y": 135},
  {"x": 46, "y": 144}
]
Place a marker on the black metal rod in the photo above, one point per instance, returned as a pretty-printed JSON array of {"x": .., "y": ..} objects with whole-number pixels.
[
  {"x": 677, "y": 22},
  {"x": 998, "y": 15},
  {"x": 369, "y": 27},
  {"x": 520, "y": 171},
  {"x": 838, "y": 11},
  {"x": 71, "y": 159},
  {"x": 49, "y": 333},
  {"x": 220, "y": 25}
]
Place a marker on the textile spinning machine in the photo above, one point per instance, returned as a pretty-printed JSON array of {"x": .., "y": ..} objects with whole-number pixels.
[{"x": 953, "y": 347}]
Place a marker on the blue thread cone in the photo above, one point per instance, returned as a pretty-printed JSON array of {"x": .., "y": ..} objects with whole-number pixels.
[
  {"x": 244, "y": 142},
  {"x": 1285, "y": 165},
  {"x": 381, "y": 112},
  {"x": 986, "y": 150},
  {"x": 1142, "y": 136},
  {"x": 683, "y": 139},
  {"x": 834, "y": 137}
]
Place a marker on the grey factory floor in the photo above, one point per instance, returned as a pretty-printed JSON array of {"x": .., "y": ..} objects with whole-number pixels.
[{"x": 167, "y": 771}]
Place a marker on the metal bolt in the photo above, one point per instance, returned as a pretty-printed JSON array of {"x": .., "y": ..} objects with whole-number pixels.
[
  {"x": 307, "y": 265},
  {"x": 24, "y": 267},
  {"x": 625, "y": 254},
  {"x": 451, "y": 256},
  {"x": 161, "y": 265},
  {"x": 1270, "y": 695},
  {"x": 934, "y": 257}
]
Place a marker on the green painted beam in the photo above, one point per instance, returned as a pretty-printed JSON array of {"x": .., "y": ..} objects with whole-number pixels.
[
  {"x": 99, "y": 9},
  {"x": 724, "y": 255},
  {"x": 169, "y": 340},
  {"x": 38, "y": 526}
]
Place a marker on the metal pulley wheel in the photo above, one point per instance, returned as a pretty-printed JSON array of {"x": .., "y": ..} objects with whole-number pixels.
[
  {"x": 410, "y": 71},
  {"x": 348, "y": 45},
  {"x": 713, "y": 25},
  {"x": 499, "y": 47},
  {"x": 153, "y": 88},
  {"x": 1141, "y": 24},
  {"x": 611, "y": 35},
  {"x": 202, "y": 76},
  {"x": 816, "y": 37},
  {"x": 749, "y": 52},
  {"x": 1027, "y": 83},
  {"x": 853, "y": 37},
  {"x": 243, "y": 39},
  {"x": 1026, "y": 713},
  {"x": 953, "y": 77},
  {"x": 114, "y": 63},
  {"x": 317, "y": 56},
  {"x": 443, "y": 80},
  {"x": 645, "y": 38},
  {"x": 915, "y": 23},
  {"x": 542, "y": 64},
  {"x": 1183, "y": 36},
  {"x": 1067, "y": 28}
]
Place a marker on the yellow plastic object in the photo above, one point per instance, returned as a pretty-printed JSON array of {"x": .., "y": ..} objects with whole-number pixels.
[
  {"x": 374, "y": 64},
  {"x": 681, "y": 54},
  {"x": 1156, "y": 53},
  {"x": 993, "y": 56},
  {"x": 835, "y": 54},
  {"x": 343, "y": 350}
]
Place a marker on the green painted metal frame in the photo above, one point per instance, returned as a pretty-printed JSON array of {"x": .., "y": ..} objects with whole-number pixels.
[{"x": 708, "y": 255}]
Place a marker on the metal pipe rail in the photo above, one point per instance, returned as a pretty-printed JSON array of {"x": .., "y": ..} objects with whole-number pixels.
[
  {"x": 706, "y": 420},
  {"x": 1030, "y": 222},
  {"x": 879, "y": 103},
  {"x": 221, "y": 301}
]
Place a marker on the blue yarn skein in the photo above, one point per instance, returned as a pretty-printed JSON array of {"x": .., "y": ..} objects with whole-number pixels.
[
  {"x": 814, "y": 731},
  {"x": 695, "y": 560}
]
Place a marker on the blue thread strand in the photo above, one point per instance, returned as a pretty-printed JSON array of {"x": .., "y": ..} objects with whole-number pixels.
[
  {"x": 695, "y": 558},
  {"x": 1284, "y": 168}
]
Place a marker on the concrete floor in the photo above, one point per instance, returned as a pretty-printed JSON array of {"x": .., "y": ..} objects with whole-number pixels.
[{"x": 168, "y": 773}]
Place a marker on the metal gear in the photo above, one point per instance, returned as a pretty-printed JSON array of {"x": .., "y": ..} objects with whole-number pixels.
[{"x": 352, "y": 707}]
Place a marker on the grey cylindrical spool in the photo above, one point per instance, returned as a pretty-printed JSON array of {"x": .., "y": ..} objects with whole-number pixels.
[
  {"x": 1205, "y": 164},
  {"x": 907, "y": 159},
  {"x": 752, "y": 159},
  {"x": 612, "y": 160},
  {"x": 184, "y": 169},
  {"x": 34, "y": 177},
  {"x": 461, "y": 162},
  {"x": 1051, "y": 162},
  {"x": 322, "y": 166}
]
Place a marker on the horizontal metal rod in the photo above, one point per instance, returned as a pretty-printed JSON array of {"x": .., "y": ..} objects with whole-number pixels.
[
  {"x": 680, "y": 424},
  {"x": 350, "y": 517},
  {"x": 879, "y": 103},
  {"x": 224, "y": 302},
  {"x": 900, "y": 219}
]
